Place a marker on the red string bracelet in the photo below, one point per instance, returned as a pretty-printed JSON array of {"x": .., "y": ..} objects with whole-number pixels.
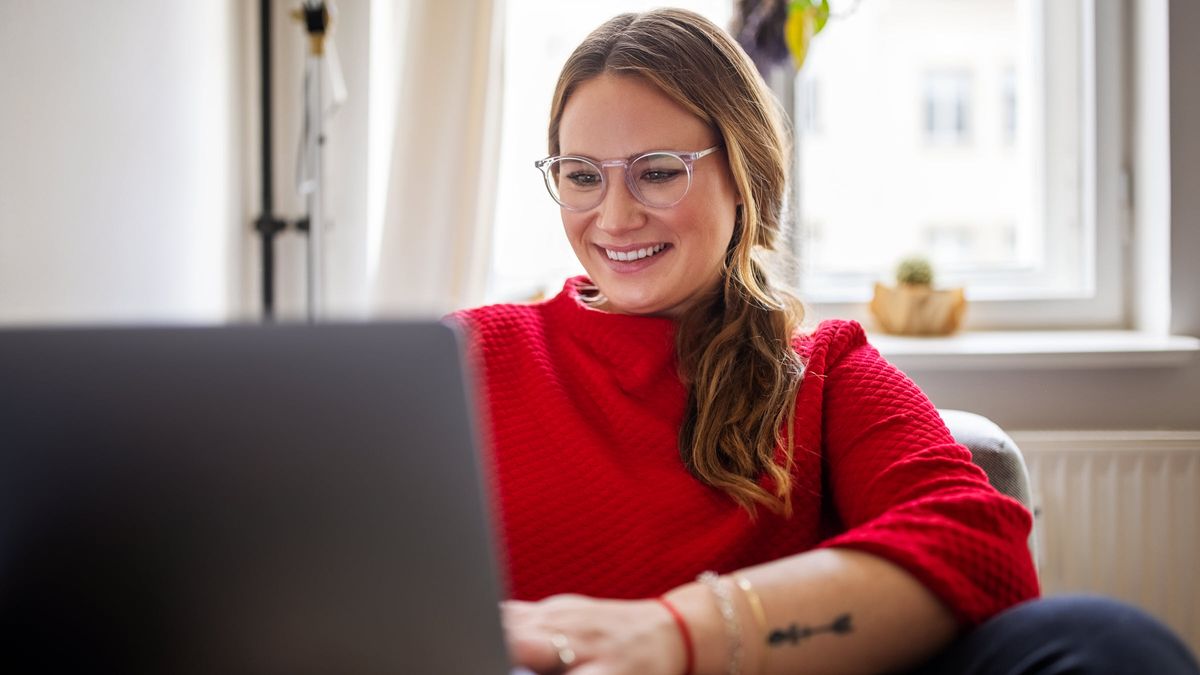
[{"x": 689, "y": 657}]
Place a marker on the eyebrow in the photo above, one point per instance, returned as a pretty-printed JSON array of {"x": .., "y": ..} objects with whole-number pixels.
[{"x": 627, "y": 157}]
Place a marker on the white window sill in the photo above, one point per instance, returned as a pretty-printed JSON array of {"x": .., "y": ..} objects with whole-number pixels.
[{"x": 982, "y": 350}]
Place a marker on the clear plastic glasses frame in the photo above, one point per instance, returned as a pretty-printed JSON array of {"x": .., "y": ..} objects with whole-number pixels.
[{"x": 595, "y": 197}]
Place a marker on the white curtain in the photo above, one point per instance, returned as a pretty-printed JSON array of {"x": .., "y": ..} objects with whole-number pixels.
[{"x": 432, "y": 182}]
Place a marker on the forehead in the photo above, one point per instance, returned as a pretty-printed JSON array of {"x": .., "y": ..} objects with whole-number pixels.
[{"x": 621, "y": 115}]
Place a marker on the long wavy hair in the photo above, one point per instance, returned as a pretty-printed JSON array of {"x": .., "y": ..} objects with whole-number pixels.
[{"x": 734, "y": 346}]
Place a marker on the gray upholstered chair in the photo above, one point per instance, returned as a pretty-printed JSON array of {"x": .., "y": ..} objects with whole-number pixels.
[{"x": 995, "y": 452}]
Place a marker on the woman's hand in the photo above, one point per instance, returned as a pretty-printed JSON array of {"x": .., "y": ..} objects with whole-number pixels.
[{"x": 587, "y": 636}]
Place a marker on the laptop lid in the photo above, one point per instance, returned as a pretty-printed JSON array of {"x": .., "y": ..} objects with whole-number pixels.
[{"x": 279, "y": 499}]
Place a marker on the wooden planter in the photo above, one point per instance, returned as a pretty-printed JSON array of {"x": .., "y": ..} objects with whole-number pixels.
[{"x": 918, "y": 310}]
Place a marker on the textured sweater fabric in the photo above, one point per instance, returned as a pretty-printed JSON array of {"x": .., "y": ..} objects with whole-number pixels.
[{"x": 582, "y": 410}]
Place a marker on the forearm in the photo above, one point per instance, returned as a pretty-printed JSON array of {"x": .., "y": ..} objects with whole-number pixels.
[{"x": 830, "y": 610}]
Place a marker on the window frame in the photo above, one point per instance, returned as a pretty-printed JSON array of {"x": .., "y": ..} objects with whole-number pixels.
[{"x": 1105, "y": 193}]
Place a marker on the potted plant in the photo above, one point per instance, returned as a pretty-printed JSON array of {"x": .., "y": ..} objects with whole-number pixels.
[{"x": 914, "y": 306}]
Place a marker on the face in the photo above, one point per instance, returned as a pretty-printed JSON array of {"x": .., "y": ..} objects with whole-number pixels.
[{"x": 618, "y": 116}]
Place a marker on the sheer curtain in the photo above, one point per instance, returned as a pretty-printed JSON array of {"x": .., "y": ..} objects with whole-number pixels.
[{"x": 434, "y": 133}]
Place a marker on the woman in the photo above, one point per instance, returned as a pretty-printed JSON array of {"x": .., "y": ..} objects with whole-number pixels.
[{"x": 687, "y": 483}]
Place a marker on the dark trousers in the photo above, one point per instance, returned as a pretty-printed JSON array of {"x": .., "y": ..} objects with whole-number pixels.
[{"x": 1066, "y": 634}]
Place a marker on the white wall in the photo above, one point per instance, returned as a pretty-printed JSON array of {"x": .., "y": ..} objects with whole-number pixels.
[{"x": 121, "y": 187}]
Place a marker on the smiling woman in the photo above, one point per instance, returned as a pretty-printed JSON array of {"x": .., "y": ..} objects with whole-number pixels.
[
  {"x": 689, "y": 483},
  {"x": 614, "y": 98}
]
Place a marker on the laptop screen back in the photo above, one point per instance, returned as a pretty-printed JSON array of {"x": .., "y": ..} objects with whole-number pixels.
[{"x": 286, "y": 499}]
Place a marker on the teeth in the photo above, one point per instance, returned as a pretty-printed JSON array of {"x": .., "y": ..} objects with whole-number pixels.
[{"x": 634, "y": 255}]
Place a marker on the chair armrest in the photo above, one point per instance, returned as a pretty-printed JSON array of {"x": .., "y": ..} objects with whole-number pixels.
[{"x": 997, "y": 454}]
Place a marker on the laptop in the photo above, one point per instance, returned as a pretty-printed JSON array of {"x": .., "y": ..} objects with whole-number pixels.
[{"x": 251, "y": 499}]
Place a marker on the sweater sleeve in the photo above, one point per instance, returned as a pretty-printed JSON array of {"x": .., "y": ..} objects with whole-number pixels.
[{"x": 905, "y": 491}]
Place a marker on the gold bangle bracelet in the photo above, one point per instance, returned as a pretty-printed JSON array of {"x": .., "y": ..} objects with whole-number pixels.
[{"x": 756, "y": 608}]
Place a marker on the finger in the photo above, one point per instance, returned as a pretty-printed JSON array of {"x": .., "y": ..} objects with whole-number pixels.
[
  {"x": 549, "y": 615},
  {"x": 594, "y": 668},
  {"x": 567, "y": 598},
  {"x": 516, "y": 606},
  {"x": 515, "y": 614},
  {"x": 536, "y": 651},
  {"x": 550, "y": 611}
]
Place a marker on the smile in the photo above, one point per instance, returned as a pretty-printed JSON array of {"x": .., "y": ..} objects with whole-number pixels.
[{"x": 636, "y": 254}]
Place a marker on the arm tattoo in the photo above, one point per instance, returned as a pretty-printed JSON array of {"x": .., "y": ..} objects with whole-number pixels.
[{"x": 794, "y": 633}]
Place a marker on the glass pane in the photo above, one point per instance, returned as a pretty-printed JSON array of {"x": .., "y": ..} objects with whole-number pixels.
[{"x": 947, "y": 128}]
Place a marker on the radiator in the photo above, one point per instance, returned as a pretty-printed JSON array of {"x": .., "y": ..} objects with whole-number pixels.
[{"x": 1118, "y": 513}]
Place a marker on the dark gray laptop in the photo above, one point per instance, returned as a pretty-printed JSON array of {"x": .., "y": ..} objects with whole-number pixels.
[{"x": 296, "y": 499}]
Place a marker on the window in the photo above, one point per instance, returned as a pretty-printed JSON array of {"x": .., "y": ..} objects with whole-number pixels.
[
  {"x": 947, "y": 107},
  {"x": 531, "y": 255},
  {"x": 1008, "y": 95},
  {"x": 966, "y": 131}
]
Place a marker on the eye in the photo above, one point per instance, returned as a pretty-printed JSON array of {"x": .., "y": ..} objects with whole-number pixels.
[
  {"x": 658, "y": 175},
  {"x": 658, "y": 169},
  {"x": 584, "y": 179}
]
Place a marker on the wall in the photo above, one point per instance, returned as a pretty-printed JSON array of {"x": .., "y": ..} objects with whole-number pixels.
[
  {"x": 1115, "y": 398},
  {"x": 121, "y": 184}
]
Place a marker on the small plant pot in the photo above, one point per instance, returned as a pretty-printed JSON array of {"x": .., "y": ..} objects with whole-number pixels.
[{"x": 918, "y": 310}]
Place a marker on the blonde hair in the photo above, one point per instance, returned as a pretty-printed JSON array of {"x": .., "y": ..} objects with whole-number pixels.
[{"x": 735, "y": 346}]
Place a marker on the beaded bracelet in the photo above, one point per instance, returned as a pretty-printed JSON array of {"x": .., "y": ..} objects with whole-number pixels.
[{"x": 733, "y": 629}]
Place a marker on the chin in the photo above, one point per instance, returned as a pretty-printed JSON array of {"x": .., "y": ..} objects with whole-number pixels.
[
  {"x": 621, "y": 302},
  {"x": 641, "y": 305},
  {"x": 644, "y": 297},
  {"x": 628, "y": 302},
  {"x": 637, "y": 309}
]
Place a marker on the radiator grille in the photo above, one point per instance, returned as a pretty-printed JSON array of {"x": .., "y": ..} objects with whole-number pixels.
[{"x": 1119, "y": 514}]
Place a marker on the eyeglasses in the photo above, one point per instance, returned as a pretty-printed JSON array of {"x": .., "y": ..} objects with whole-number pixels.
[{"x": 658, "y": 179}]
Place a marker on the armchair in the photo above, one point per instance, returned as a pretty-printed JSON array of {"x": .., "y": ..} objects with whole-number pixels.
[{"x": 998, "y": 455}]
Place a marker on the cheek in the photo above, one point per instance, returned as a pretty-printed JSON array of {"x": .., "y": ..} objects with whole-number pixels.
[
  {"x": 712, "y": 220},
  {"x": 573, "y": 225},
  {"x": 719, "y": 198}
]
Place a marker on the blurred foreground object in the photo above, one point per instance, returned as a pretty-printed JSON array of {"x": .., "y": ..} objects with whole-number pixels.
[
  {"x": 805, "y": 18},
  {"x": 772, "y": 30}
]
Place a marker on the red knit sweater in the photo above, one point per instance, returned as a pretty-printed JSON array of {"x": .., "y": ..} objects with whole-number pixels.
[{"x": 583, "y": 409}]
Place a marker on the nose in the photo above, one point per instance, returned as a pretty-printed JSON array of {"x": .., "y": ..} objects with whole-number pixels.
[{"x": 620, "y": 211}]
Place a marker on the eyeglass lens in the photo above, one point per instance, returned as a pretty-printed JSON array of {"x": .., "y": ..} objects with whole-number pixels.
[{"x": 659, "y": 180}]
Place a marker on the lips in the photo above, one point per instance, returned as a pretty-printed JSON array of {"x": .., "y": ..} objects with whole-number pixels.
[
  {"x": 629, "y": 259},
  {"x": 625, "y": 255}
]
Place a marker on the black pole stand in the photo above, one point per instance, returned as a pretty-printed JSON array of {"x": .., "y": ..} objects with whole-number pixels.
[
  {"x": 267, "y": 224},
  {"x": 315, "y": 16}
]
